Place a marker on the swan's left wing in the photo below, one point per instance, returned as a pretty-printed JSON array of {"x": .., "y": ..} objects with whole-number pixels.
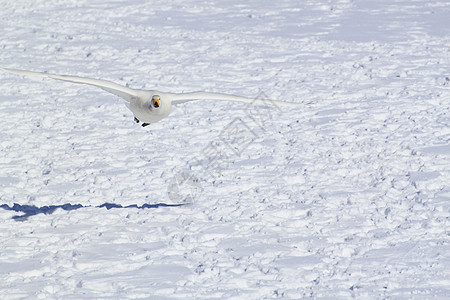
[
  {"x": 181, "y": 98},
  {"x": 111, "y": 87}
]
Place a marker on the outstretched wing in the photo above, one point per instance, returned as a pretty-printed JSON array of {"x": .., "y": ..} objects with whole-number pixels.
[
  {"x": 111, "y": 87},
  {"x": 181, "y": 98}
]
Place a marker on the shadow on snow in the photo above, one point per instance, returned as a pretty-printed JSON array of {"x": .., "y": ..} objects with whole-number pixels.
[{"x": 31, "y": 210}]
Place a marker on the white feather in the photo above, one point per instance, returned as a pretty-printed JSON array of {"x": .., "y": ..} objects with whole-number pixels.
[
  {"x": 111, "y": 87},
  {"x": 185, "y": 97}
]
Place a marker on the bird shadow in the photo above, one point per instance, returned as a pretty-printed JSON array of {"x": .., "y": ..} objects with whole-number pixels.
[{"x": 32, "y": 210}]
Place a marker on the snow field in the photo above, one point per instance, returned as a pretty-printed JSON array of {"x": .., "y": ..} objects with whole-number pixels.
[{"x": 345, "y": 197}]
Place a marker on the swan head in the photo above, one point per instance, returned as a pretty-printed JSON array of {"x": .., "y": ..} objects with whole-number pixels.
[
  {"x": 156, "y": 101},
  {"x": 152, "y": 107}
]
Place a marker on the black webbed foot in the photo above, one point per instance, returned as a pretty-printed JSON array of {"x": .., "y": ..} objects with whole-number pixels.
[{"x": 143, "y": 124}]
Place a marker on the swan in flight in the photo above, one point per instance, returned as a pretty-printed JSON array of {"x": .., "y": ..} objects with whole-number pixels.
[{"x": 148, "y": 106}]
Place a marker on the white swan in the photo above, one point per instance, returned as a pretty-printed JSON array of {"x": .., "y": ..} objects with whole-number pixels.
[{"x": 148, "y": 106}]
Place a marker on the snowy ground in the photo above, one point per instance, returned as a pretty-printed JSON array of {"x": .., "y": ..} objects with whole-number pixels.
[{"x": 346, "y": 196}]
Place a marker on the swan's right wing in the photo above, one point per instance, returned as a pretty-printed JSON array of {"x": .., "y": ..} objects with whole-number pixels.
[
  {"x": 182, "y": 98},
  {"x": 111, "y": 87}
]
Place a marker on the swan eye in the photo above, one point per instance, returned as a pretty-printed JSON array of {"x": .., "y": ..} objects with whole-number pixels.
[{"x": 156, "y": 101}]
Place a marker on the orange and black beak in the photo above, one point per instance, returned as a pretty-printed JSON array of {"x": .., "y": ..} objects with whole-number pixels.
[{"x": 156, "y": 101}]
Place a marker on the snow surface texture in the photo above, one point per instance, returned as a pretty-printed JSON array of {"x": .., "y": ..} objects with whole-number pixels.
[{"x": 346, "y": 196}]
